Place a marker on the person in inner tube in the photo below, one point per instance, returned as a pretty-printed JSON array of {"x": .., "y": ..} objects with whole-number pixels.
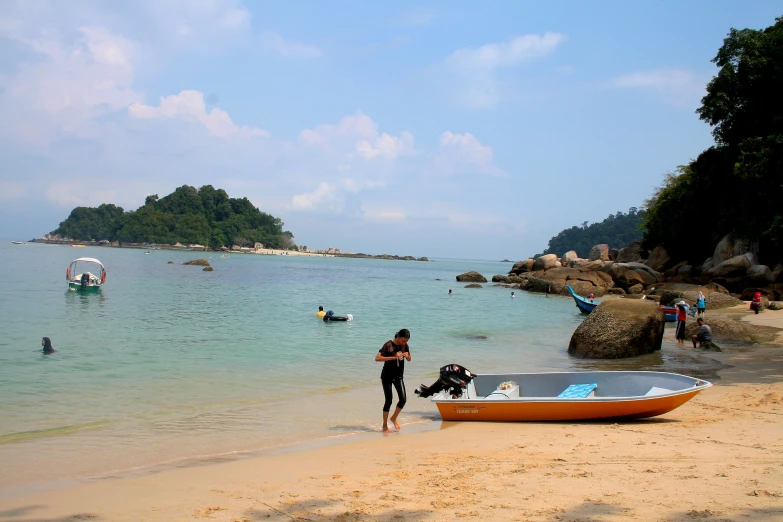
[{"x": 393, "y": 355}]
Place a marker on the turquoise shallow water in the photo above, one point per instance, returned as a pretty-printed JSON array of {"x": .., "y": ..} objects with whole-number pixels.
[{"x": 170, "y": 363}]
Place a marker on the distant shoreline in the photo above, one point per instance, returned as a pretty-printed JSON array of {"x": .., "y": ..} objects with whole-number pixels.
[{"x": 259, "y": 251}]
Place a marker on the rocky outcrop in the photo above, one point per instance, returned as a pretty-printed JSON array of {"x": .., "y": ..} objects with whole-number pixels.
[
  {"x": 545, "y": 262},
  {"x": 730, "y": 330},
  {"x": 599, "y": 252},
  {"x": 471, "y": 277},
  {"x": 197, "y": 262},
  {"x": 499, "y": 279},
  {"x": 568, "y": 258},
  {"x": 659, "y": 259},
  {"x": 734, "y": 267},
  {"x": 630, "y": 254},
  {"x": 619, "y": 328},
  {"x": 474, "y": 285},
  {"x": 771, "y": 294},
  {"x": 522, "y": 266},
  {"x": 775, "y": 305},
  {"x": 759, "y": 275},
  {"x": 724, "y": 250},
  {"x": 208, "y": 269}
]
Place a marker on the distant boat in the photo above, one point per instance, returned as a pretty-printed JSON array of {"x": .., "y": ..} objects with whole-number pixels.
[
  {"x": 585, "y": 305},
  {"x": 77, "y": 246},
  {"x": 85, "y": 281},
  {"x": 18, "y": 242},
  {"x": 147, "y": 252}
]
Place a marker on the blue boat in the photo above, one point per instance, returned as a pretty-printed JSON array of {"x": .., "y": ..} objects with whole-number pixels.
[
  {"x": 670, "y": 313},
  {"x": 585, "y": 305}
]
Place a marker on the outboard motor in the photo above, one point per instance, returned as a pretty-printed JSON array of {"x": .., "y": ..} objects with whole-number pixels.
[
  {"x": 452, "y": 376},
  {"x": 85, "y": 280}
]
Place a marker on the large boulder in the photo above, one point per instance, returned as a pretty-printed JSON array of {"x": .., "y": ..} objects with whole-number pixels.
[
  {"x": 777, "y": 273},
  {"x": 619, "y": 328},
  {"x": 522, "y": 266},
  {"x": 568, "y": 257},
  {"x": 471, "y": 277},
  {"x": 730, "y": 330},
  {"x": 770, "y": 293},
  {"x": 613, "y": 254},
  {"x": 630, "y": 254},
  {"x": 599, "y": 253},
  {"x": 544, "y": 262},
  {"x": 759, "y": 275},
  {"x": 724, "y": 250},
  {"x": 734, "y": 267},
  {"x": 473, "y": 285},
  {"x": 659, "y": 258},
  {"x": 499, "y": 279}
]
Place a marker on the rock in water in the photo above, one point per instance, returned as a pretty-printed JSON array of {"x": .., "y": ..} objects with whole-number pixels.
[
  {"x": 208, "y": 269},
  {"x": 171, "y": 262},
  {"x": 619, "y": 328},
  {"x": 471, "y": 277},
  {"x": 197, "y": 262},
  {"x": 473, "y": 285}
]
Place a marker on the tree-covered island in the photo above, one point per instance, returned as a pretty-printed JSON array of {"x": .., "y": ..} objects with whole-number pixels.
[{"x": 204, "y": 216}]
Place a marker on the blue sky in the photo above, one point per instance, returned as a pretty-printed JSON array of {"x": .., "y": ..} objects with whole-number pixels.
[{"x": 449, "y": 129}]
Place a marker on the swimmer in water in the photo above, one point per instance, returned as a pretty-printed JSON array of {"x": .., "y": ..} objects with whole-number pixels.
[
  {"x": 47, "y": 346},
  {"x": 449, "y": 291},
  {"x": 321, "y": 312},
  {"x": 512, "y": 294}
]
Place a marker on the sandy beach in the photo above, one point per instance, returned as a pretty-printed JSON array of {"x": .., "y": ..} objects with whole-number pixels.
[{"x": 718, "y": 457}]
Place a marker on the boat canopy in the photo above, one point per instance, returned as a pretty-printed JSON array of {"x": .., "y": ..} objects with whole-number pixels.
[{"x": 88, "y": 260}]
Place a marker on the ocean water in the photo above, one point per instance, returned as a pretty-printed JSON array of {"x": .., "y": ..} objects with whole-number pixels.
[{"x": 170, "y": 364}]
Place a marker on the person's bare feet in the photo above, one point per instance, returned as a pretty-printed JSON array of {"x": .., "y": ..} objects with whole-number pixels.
[
  {"x": 396, "y": 424},
  {"x": 386, "y": 430}
]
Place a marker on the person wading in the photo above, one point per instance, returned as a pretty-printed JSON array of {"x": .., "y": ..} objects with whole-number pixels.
[{"x": 393, "y": 355}]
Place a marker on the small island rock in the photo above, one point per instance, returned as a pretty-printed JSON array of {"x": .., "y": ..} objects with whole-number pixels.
[
  {"x": 473, "y": 285},
  {"x": 197, "y": 262},
  {"x": 208, "y": 269},
  {"x": 471, "y": 277}
]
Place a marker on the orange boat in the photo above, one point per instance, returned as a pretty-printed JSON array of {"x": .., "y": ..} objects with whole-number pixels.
[{"x": 566, "y": 396}]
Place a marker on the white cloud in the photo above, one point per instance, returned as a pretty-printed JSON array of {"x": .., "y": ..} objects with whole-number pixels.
[
  {"x": 383, "y": 215},
  {"x": 679, "y": 87},
  {"x": 189, "y": 106},
  {"x": 273, "y": 42},
  {"x": 325, "y": 197},
  {"x": 357, "y": 136},
  {"x": 475, "y": 72},
  {"x": 505, "y": 54},
  {"x": 69, "y": 84},
  {"x": 464, "y": 153}
]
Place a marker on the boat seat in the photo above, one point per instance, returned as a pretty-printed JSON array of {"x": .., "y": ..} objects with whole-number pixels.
[
  {"x": 578, "y": 391},
  {"x": 657, "y": 391}
]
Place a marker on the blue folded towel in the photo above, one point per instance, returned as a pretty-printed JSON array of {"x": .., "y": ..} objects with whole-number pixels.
[{"x": 577, "y": 391}]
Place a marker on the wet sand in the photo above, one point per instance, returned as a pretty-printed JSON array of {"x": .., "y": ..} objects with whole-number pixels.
[{"x": 718, "y": 457}]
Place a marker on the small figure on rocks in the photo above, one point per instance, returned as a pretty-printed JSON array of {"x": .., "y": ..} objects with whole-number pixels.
[
  {"x": 682, "y": 317},
  {"x": 756, "y": 303},
  {"x": 703, "y": 334},
  {"x": 701, "y": 304}
]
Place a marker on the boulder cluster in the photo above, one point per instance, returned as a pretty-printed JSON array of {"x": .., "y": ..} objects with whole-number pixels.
[{"x": 732, "y": 269}]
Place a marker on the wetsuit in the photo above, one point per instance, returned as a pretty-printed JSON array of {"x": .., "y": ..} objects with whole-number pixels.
[{"x": 392, "y": 374}]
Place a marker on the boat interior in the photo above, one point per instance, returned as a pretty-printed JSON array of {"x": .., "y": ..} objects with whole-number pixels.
[{"x": 575, "y": 385}]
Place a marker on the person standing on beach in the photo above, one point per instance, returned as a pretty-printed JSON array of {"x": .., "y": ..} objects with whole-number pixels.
[
  {"x": 701, "y": 304},
  {"x": 393, "y": 355},
  {"x": 682, "y": 317}
]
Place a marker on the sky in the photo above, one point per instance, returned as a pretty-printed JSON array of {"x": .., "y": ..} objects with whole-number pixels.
[{"x": 441, "y": 129}]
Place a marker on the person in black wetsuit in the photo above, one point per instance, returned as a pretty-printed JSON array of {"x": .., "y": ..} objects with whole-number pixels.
[
  {"x": 47, "y": 346},
  {"x": 393, "y": 355}
]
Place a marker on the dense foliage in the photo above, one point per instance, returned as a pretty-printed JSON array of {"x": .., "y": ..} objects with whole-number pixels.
[
  {"x": 206, "y": 216},
  {"x": 737, "y": 185},
  {"x": 617, "y": 230}
]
